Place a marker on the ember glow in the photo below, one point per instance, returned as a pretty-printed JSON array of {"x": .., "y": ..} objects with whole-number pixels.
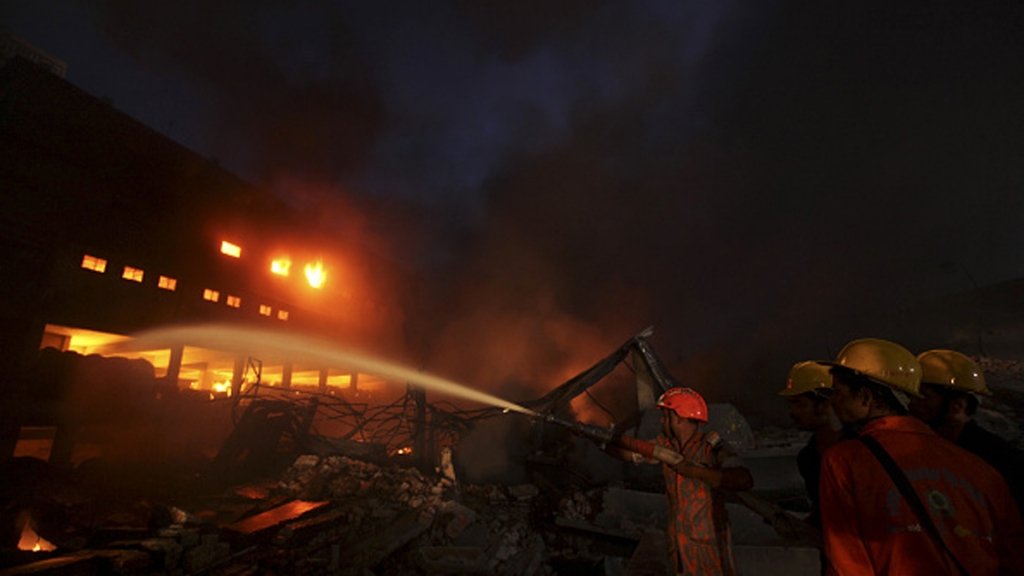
[
  {"x": 31, "y": 541},
  {"x": 315, "y": 274}
]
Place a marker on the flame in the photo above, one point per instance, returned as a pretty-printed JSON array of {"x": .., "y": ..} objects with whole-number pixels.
[
  {"x": 281, "y": 266},
  {"x": 406, "y": 450},
  {"x": 224, "y": 386},
  {"x": 34, "y": 542},
  {"x": 316, "y": 274}
]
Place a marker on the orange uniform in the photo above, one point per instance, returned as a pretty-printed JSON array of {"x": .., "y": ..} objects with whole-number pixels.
[
  {"x": 698, "y": 527},
  {"x": 869, "y": 529}
]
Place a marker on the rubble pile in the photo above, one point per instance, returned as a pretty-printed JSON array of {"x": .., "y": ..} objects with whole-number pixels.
[
  {"x": 340, "y": 515},
  {"x": 442, "y": 528}
]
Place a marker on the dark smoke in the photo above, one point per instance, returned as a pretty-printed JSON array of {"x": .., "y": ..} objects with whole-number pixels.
[{"x": 761, "y": 181}]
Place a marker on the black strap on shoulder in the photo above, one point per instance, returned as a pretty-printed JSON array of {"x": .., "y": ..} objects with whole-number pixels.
[{"x": 910, "y": 495}]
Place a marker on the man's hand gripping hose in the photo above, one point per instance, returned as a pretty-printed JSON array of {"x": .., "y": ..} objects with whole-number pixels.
[{"x": 785, "y": 524}]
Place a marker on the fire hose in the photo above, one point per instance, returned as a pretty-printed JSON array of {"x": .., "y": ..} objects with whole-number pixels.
[{"x": 789, "y": 526}]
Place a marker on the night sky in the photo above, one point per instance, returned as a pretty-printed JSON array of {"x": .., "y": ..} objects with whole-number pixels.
[{"x": 757, "y": 179}]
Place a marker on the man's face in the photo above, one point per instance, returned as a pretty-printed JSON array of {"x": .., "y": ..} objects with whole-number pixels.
[
  {"x": 849, "y": 407},
  {"x": 673, "y": 426},
  {"x": 807, "y": 412},
  {"x": 932, "y": 408}
]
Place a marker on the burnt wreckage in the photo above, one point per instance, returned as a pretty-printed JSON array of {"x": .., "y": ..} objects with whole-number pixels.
[{"x": 391, "y": 493}]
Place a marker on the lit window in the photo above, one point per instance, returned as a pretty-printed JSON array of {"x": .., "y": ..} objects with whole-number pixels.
[
  {"x": 211, "y": 295},
  {"x": 282, "y": 315},
  {"x": 281, "y": 266},
  {"x": 264, "y": 310},
  {"x": 233, "y": 301},
  {"x": 94, "y": 263},
  {"x": 233, "y": 250},
  {"x": 167, "y": 283},
  {"x": 133, "y": 274},
  {"x": 315, "y": 274}
]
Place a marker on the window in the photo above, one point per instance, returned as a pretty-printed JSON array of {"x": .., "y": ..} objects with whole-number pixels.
[
  {"x": 233, "y": 301},
  {"x": 167, "y": 283},
  {"x": 133, "y": 274},
  {"x": 281, "y": 266},
  {"x": 282, "y": 315},
  {"x": 264, "y": 310},
  {"x": 233, "y": 250},
  {"x": 93, "y": 263},
  {"x": 211, "y": 295}
]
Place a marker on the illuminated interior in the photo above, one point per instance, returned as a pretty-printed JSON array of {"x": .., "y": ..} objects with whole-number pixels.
[
  {"x": 203, "y": 369},
  {"x": 229, "y": 249},
  {"x": 281, "y": 266},
  {"x": 93, "y": 263},
  {"x": 167, "y": 283},
  {"x": 133, "y": 274}
]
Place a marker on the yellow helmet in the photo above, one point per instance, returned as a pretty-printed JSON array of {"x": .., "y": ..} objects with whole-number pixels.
[
  {"x": 806, "y": 377},
  {"x": 883, "y": 361},
  {"x": 952, "y": 369}
]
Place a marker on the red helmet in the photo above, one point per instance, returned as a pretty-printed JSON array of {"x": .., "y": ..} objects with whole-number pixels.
[{"x": 685, "y": 402}]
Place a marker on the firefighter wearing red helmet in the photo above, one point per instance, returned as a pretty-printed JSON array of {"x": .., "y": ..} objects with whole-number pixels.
[{"x": 698, "y": 527}]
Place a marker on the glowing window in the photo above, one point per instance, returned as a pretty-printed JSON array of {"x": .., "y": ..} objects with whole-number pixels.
[
  {"x": 281, "y": 266},
  {"x": 264, "y": 310},
  {"x": 282, "y": 315},
  {"x": 167, "y": 283},
  {"x": 133, "y": 274},
  {"x": 233, "y": 250},
  {"x": 315, "y": 274},
  {"x": 211, "y": 295},
  {"x": 93, "y": 263},
  {"x": 233, "y": 301}
]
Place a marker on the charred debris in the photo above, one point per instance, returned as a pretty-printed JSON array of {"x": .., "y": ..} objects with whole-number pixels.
[{"x": 305, "y": 483}]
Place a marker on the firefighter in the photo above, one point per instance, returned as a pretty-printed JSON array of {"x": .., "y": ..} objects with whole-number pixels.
[
  {"x": 870, "y": 526},
  {"x": 950, "y": 385},
  {"x": 698, "y": 526},
  {"x": 806, "y": 393}
]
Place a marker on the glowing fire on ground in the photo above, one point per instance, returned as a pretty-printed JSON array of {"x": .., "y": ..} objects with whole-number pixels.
[
  {"x": 316, "y": 274},
  {"x": 34, "y": 542},
  {"x": 406, "y": 450}
]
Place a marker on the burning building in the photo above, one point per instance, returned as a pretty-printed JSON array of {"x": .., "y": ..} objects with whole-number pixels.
[{"x": 109, "y": 228}]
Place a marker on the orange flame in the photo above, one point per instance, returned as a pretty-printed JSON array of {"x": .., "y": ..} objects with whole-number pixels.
[
  {"x": 281, "y": 266},
  {"x": 31, "y": 541},
  {"x": 315, "y": 274}
]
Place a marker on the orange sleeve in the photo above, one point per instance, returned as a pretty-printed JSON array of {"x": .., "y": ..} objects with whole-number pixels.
[{"x": 844, "y": 545}]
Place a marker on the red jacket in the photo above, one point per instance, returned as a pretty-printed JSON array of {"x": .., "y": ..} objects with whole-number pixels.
[{"x": 869, "y": 528}]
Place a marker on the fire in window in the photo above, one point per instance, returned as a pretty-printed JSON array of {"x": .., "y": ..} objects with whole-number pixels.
[
  {"x": 229, "y": 249},
  {"x": 211, "y": 295},
  {"x": 281, "y": 266},
  {"x": 315, "y": 274},
  {"x": 264, "y": 310},
  {"x": 167, "y": 283},
  {"x": 93, "y": 263},
  {"x": 133, "y": 274},
  {"x": 282, "y": 315},
  {"x": 233, "y": 301}
]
